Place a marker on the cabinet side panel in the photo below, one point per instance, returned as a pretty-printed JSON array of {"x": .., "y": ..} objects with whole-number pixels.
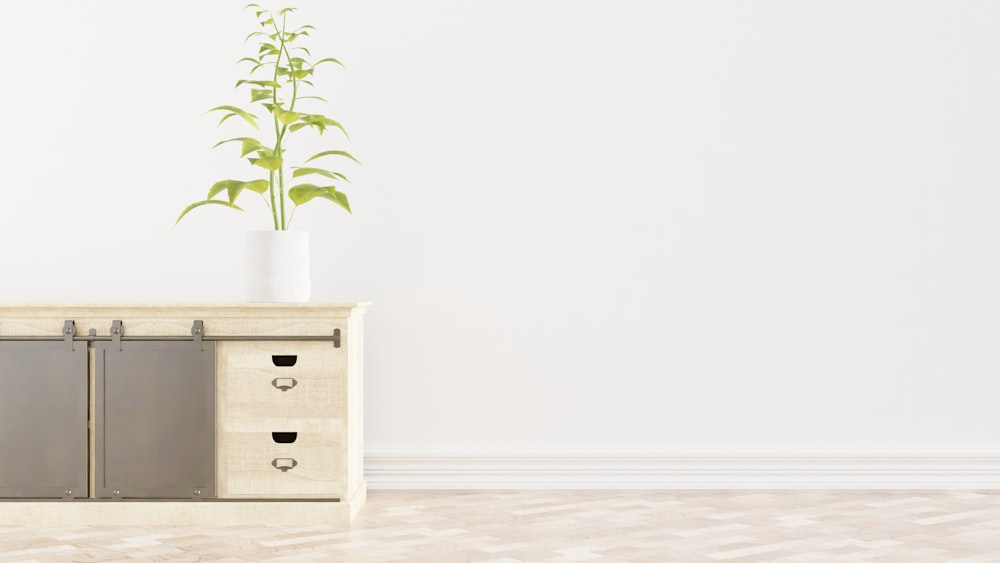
[{"x": 355, "y": 403}]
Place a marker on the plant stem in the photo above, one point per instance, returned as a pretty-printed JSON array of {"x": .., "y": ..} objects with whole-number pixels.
[
  {"x": 277, "y": 142},
  {"x": 279, "y": 135},
  {"x": 271, "y": 189}
]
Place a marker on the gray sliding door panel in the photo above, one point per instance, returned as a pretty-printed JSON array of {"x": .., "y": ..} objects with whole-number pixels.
[
  {"x": 43, "y": 420},
  {"x": 155, "y": 419}
]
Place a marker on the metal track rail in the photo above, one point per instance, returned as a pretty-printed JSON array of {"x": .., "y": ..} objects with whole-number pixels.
[{"x": 117, "y": 334}]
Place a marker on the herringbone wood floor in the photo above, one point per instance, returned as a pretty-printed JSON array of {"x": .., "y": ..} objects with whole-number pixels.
[{"x": 572, "y": 526}]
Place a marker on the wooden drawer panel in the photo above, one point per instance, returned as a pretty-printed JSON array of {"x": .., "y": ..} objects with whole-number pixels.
[
  {"x": 248, "y": 421},
  {"x": 247, "y": 466},
  {"x": 251, "y": 386},
  {"x": 320, "y": 359},
  {"x": 252, "y": 393}
]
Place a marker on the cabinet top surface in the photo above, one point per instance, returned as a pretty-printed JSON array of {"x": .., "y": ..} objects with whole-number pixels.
[{"x": 220, "y": 307}]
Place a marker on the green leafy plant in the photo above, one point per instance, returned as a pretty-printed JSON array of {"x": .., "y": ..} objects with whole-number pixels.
[{"x": 288, "y": 69}]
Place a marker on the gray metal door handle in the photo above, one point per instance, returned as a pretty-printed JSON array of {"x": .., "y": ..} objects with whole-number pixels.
[
  {"x": 284, "y": 463},
  {"x": 284, "y": 383}
]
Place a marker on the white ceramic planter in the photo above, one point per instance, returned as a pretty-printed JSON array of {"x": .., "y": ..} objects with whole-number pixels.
[{"x": 278, "y": 266}]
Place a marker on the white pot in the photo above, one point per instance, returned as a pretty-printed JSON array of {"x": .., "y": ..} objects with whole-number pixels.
[{"x": 278, "y": 266}]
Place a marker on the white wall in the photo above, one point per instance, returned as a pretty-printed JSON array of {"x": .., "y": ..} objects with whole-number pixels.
[{"x": 587, "y": 226}]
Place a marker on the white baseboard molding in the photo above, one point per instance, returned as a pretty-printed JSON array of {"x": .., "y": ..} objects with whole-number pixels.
[{"x": 974, "y": 471}]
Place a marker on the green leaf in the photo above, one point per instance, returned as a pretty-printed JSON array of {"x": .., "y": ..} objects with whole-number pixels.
[
  {"x": 267, "y": 22},
  {"x": 305, "y": 171},
  {"x": 206, "y": 202},
  {"x": 282, "y": 71},
  {"x": 248, "y": 6},
  {"x": 303, "y": 193},
  {"x": 286, "y": 117},
  {"x": 326, "y": 60},
  {"x": 300, "y": 74},
  {"x": 285, "y": 11},
  {"x": 259, "y": 186},
  {"x": 249, "y": 117},
  {"x": 321, "y": 122},
  {"x": 299, "y": 125},
  {"x": 254, "y": 34},
  {"x": 312, "y": 98},
  {"x": 260, "y": 83},
  {"x": 336, "y": 153},
  {"x": 302, "y": 49},
  {"x": 233, "y": 187},
  {"x": 249, "y": 145},
  {"x": 257, "y": 95},
  {"x": 271, "y": 163},
  {"x": 255, "y": 61},
  {"x": 340, "y": 198},
  {"x": 223, "y": 186},
  {"x": 307, "y": 26}
]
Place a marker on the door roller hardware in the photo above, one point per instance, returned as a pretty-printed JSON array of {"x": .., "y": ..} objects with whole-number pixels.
[
  {"x": 197, "y": 333},
  {"x": 69, "y": 333},
  {"x": 117, "y": 331}
]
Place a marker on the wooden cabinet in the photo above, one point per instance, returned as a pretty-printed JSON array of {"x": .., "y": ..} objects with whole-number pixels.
[{"x": 189, "y": 414}]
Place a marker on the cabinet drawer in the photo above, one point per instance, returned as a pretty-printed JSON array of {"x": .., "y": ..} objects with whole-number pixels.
[
  {"x": 251, "y": 384},
  {"x": 252, "y": 465},
  {"x": 283, "y": 358}
]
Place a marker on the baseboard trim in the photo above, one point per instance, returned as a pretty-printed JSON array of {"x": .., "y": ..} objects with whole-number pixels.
[{"x": 975, "y": 471}]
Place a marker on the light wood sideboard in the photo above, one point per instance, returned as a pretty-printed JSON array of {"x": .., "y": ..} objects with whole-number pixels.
[{"x": 181, "y": 414}]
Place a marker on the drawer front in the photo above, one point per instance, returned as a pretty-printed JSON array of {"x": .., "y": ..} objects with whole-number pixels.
[
  {"x": 281, "y": 380},
  {"x": 253, "y": 465},
  {"x": 282, "y": 357}
]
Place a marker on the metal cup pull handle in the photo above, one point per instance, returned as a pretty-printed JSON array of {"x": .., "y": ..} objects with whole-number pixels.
[
  {"x": 284, "y": 463},
  {"x": 284, "y": 383}
]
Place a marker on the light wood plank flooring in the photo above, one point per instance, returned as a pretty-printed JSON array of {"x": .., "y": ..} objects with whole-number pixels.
[{"x": 572, "y": 526}]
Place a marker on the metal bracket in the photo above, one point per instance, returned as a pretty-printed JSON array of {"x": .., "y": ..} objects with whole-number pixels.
[
  {"x": 117, "y": 331},
  {"x": 197, "y": 332},
  {"x": 336, "y": 338},
  {"x": 69, "y": 331}
]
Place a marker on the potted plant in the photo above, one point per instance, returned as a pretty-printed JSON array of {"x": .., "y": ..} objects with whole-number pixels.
[{"x": 278, "y": 259}]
